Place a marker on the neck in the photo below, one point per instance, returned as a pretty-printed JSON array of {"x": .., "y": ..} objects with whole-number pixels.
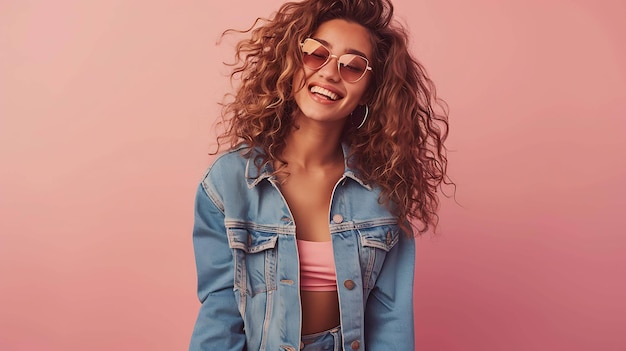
[{"x": 314, "y": 144}]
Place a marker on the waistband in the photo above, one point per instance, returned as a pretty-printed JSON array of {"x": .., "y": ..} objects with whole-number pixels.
[{"x": 310, "y": 338}]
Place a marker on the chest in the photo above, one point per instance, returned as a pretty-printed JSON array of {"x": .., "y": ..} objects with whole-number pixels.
[{"x": 308, "y": 196}]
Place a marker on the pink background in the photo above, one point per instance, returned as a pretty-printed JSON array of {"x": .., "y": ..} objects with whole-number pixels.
[{"x": 106, "y": 111}]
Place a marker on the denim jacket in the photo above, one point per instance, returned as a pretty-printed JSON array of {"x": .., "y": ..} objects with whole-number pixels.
[{"x": 248, "y": 267}]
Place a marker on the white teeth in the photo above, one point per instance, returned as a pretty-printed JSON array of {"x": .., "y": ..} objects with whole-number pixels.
[{"x": 329, "y": 94}]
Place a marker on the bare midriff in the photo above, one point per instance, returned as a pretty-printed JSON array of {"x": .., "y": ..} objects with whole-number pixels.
[{"x": 320, "y": 311}]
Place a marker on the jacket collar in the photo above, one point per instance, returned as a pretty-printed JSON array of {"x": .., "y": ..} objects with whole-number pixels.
[{"x": 255, "y": 174}]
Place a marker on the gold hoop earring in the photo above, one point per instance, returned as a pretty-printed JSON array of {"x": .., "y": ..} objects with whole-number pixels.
[{"x": 367, "y": 111}]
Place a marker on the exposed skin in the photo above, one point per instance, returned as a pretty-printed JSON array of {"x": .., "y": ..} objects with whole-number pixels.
[{"x": 314, "y": 157}]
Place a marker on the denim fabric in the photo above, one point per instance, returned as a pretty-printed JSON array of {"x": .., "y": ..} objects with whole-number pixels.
[{"x": 248, "y": 270}]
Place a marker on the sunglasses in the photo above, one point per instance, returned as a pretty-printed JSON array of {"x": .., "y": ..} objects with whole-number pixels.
[{"x": 351, "y": 67}]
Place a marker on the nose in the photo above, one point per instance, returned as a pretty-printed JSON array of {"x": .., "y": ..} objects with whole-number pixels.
[{"x": 331, "y": 69}]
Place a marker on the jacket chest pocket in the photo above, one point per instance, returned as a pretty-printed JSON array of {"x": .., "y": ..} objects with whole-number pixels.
[
  {"x": 254, "y": 256},
  {"x": 375, "y": 244}
]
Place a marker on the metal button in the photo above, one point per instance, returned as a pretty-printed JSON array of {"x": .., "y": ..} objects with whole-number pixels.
[
  {"x": 349, "y": 284},
  {"x": 337, "y": 218},
  {"x": 301, "y": 345},
  {"x": 355, "y": 345}
]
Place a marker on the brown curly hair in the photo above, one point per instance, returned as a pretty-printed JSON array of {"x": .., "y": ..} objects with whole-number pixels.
[{"x": 400, "y": 148}]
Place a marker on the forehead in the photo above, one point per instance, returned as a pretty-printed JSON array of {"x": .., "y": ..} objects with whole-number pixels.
[{"x": 342, "y": 36}]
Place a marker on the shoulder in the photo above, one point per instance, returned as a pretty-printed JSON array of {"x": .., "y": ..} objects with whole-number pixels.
[
  {"x": 226, "y": 173},
  {"x": 230, "y": 162}
]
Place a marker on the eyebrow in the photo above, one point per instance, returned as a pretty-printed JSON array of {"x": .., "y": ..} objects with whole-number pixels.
[{"x": 348, "y": 51}]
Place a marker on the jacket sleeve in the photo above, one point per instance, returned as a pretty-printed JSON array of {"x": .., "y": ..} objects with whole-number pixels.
[
  {"x": 389, "y": 308},
  {"x": 219, "y": 325}
]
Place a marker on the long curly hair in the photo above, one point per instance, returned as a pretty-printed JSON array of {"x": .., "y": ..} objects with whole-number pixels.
[{"x": 400, "y": 148}]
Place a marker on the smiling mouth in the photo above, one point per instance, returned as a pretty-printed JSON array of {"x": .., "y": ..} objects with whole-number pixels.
[{"x": 325, "y": 93}]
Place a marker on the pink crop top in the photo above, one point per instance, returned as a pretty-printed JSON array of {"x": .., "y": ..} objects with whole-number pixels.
[{"x": 317, "y": 266}]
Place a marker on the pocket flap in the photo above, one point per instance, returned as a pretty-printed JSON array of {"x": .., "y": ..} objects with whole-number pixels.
[
  {"x": 250, "y": 241},
  {"x": 382, "y": 237}
]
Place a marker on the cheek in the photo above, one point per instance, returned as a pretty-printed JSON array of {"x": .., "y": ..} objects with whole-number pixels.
[
  {"x": 366, "y": 91},
  {"x": 299, "y": 79},
  {"x": 362, "y": 93},
  {"x": 298, "y": 87}
]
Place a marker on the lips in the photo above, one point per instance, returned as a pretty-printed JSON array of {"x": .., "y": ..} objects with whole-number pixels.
[{"x": 325, "y": 92}]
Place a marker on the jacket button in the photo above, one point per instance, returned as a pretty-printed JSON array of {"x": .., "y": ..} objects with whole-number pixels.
[
  {"x": 355, "y": 345},
  {"x": 301, "y": 345},
  {"x": 337, "y": 218},
  {"x": 349, "y": 284}
]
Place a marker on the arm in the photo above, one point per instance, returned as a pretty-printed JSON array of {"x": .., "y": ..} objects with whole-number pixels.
[
  {"x": 219, "y": 325},
  {"x": 389, "y": 308}
]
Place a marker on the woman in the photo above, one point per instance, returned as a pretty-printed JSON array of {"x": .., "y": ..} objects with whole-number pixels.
[{"x": 303, "y": 227}]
